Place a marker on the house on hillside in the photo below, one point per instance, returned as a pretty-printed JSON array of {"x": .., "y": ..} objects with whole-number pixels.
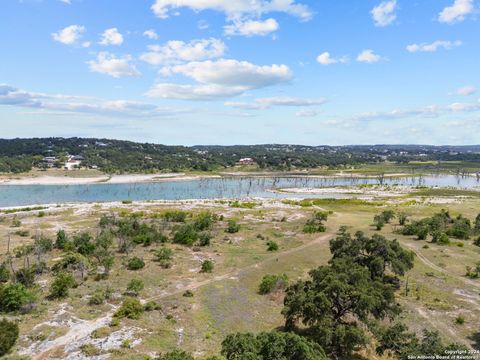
[{"x": 246, "y": 161}]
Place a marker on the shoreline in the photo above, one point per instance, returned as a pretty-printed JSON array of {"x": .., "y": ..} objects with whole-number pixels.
[{"x": 166, "y": 177}]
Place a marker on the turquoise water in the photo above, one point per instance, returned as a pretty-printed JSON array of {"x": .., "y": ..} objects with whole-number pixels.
[{"x": 227, "y": 188}]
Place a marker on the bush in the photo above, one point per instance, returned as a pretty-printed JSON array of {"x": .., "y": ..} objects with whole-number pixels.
[
  {"x": 207, "y": 266},
  {"x": 135, "y": 263},
  {"x": 14, "y": 296},
  {"x": 152, "y": 305},
  {"x": 175, "y": 216},
  {"x": 459, "y": 320},
  {"x": 83, "y": 244},
  {"x": 176, "y": 355},
  {"x": 232, "y": 227},
  {"x": 164, "y": 257},
  {"x": 204, "y": 221},
  {"x": 315, "y": 224},
  {"x": 272, "y": 246},
  {"x": 272, "y": 282},
  {"x": 97, "y": 298},
  {"x": 61, "y": 240},
  {"x": 204, "y": 239},
  {"x": 4, "y": 273},
  {"x": 135, "y": 286},
  {"x": 185, "y": 235},
  {"x": 131, "y": 308},
  {"x": 188, "y": 293},
  {"x": 61, "y": 284},
  {"x": 8, "y": 336}
]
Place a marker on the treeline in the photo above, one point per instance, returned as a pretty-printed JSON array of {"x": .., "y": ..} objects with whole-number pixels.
[{"x": 116, "y": 156}]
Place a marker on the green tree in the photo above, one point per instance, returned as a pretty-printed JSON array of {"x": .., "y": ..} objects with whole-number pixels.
[
  {"x": 185, "y": 235},
  {"x": 61, "y": 284},
  {"x": 164, "y": 257},
  {"x": 14, "y": 296},
  {"x": 176, "y": 355},
  {"x": 270, "y": 346},
  {"x": 271, "y": 282},
  {"x": 135, "y": 263},
  {"x": 8, "y": 336},
  {"x": 61, "y": 240}
]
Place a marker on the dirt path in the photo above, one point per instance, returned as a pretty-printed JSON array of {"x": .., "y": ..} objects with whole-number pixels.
[{"x": 85, "y": 328}]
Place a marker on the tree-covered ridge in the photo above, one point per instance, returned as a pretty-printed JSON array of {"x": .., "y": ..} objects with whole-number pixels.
[{"x": 20, "y": 155}]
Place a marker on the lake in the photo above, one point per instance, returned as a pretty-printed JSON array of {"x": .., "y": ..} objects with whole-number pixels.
[{"x": 226, "y": 188}]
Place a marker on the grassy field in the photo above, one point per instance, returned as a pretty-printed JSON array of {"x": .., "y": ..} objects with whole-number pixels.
[{"x": 434, "y": 294}]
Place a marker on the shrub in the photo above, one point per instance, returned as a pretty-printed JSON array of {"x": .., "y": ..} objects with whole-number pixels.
[
  {"x": 315, "y": 224},
  {"x": 8, "y": 336},
  {"x": 131, "y": 308},
  {"x": 14, "y": 296},
  {"x": 43, "y": 244},
  {"x": 97, "y": 298},
  {"x": 459, "y": 320},
  {"x": 185, "y": 235},
  {"x": 4, "y": 273},
  {"x": 232, "y": 227},
  {"x": 135, "y": 263},
  {"x": 135, "y": 286},
  {"x": 61, "y": 284},
  {"x": 61, "y": 240},
  {"x": 164, "y": 257},
  {"x": 188, "y": 293},
  {"x": 204, "y": 239},
  {"x": 476, "y": 242},
  {"x": 207, "y": 266},
  {"x": 152, "y": 305},
  {"x": 272, "y": 282},
  {"x": 272, "y": 245},
  {"x": 175, "y": 216},
  {"x": 204, "y": 221},
  {"x": 90, "y": 350},
  {"x": 83, "y": 244},
  {"x": 176, "y": 355}
]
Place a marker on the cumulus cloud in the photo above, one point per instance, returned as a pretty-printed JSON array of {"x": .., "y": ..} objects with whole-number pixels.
[
  {"x": 69, "y": 35},
  {"x": 176, "y": 51},
  {"x": 151, "y": 34},
  {"x": 117, "y": 67},
  {"x": 466, "y": 90},
  {"x": 12, "y": 96},
  {"x": 219, "y": 79},
  {"x": 235, "y": 9},
  {"x": 368, "y": 56},
  {"x": 251, "y": 28},
  {"x": 326, "y": 59},
  {"x": 111, "y": 37},
  {"x": 434, "y": 46},
  {"x": 384, "y": 13},
  {"x": 268, "y": 102},
  {"x": 456, "y": 12}
]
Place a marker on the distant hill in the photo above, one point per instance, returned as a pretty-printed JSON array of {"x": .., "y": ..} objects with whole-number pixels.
[{"x": 20, "y": 155}]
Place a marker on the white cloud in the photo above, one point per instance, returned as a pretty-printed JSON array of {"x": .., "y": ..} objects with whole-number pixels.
[
  {"x": 456, "y": 12},
  {"x": 384, "y": 14},
  {"x": 111, "y": 37},
  {"x": 308, "y": 112},
  {"x": 463, "y": 107},
  {"x": 289, "y": 101},
  {"x": 368, "y": 56},
  {"x": 266, "y": 103},
  {"x": 203, "y": 25},
  {"x": 466, "y": 90},
  {"x": 251, "y": 27},
  {"x": 12, "y": 96},
  {"x": 68, "y": 2},
  {"x": 235, "y": 9},
  {"x": 117, "y": 67},
  {"x": 151, "y": 34},
  {"x": 219, "y": 79},
  {"x": 432, "y": 47},
  {"x": 178, "y": 51},
  {"x": 69, "y": 35},
  {"x": 326, "y": 59}
]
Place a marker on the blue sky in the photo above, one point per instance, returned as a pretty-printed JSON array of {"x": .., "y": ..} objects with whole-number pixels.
[{"x": 242, "y": 72}]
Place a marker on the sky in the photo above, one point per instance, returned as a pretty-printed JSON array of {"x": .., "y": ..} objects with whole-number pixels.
[{"x": 188, "y": 72}]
